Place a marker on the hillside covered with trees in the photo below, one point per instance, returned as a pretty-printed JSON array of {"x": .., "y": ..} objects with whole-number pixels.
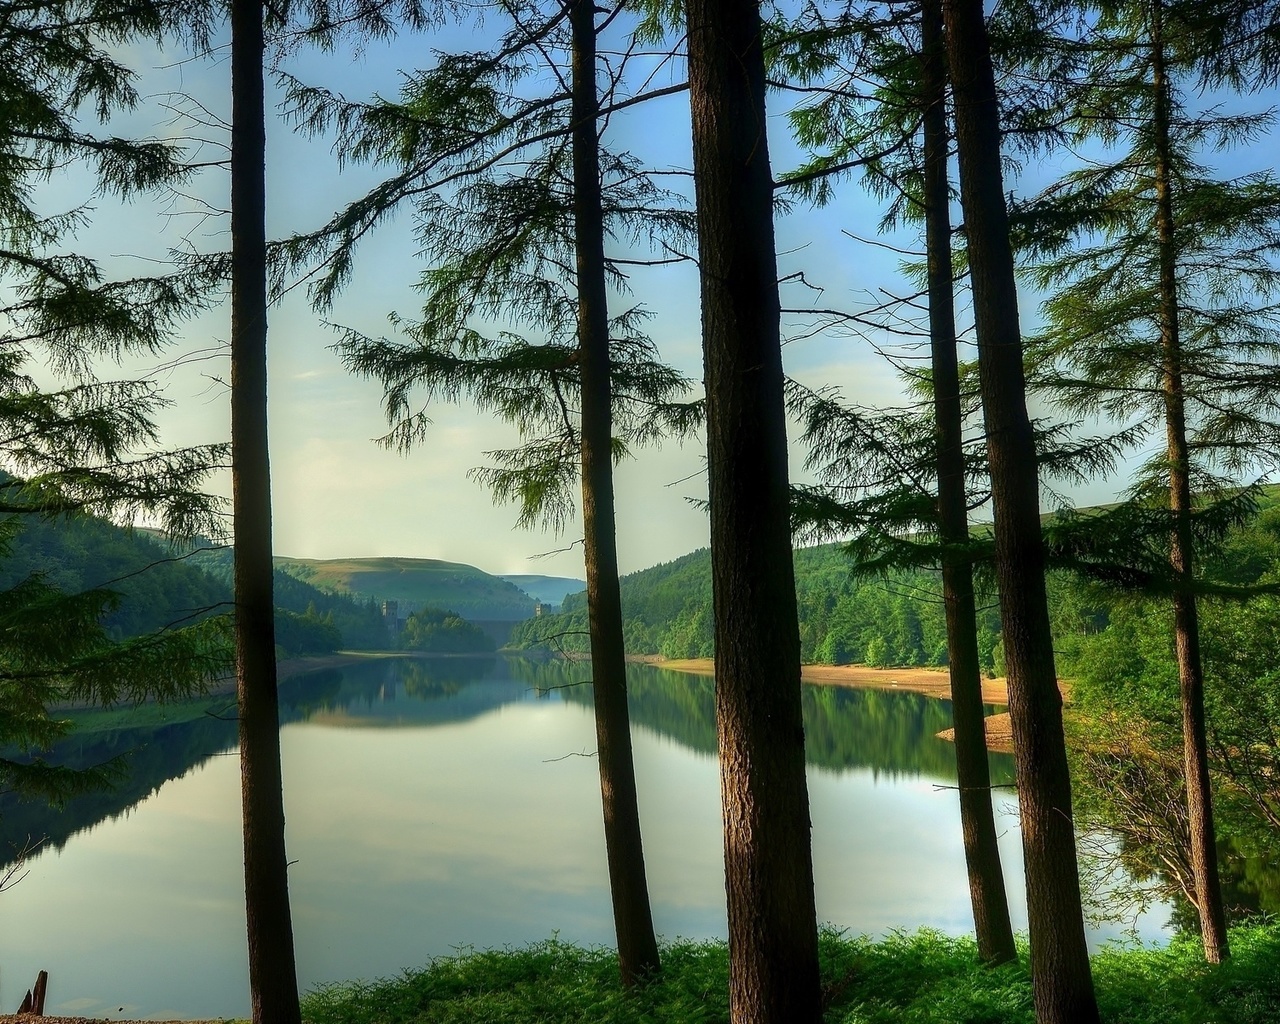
[
  {"x": 844, "y": 619},
  {"x": 894, "y": 618}
]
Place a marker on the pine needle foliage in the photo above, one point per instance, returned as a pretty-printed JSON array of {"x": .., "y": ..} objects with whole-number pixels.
[
  {"x": 89, "y": 444},
  {"x": 84, "y": 444},
  {"x": 479, "y": 149},
  {"x": 1099, "y": 355},
  {"x": 530, "y": 385},
  {"x": 484, "y": 130}
]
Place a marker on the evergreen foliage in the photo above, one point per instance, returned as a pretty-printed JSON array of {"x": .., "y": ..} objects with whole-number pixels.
[
  {"x": 56, "y": 651},
  {"x": 896, "y": 620},
  {"x": 484, "y": 162},
  {"x": 438, "y": 631},
  {"x": 298, "y": 635},
  {"x": 83, "y": 444},
  {"x": 1126, "y": 697},
  {"x": 154, "y": 587}
]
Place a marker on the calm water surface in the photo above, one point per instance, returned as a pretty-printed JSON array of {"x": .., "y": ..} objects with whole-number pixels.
[{"x": 435, "y": 805}]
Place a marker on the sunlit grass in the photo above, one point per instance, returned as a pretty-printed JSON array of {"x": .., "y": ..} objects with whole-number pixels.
[{"x": 922, "y": 978}]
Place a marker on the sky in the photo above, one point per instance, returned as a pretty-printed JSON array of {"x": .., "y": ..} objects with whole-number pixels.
[{"x": 336, "y": 492}]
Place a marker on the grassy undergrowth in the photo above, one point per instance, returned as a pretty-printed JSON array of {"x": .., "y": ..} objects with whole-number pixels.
[{"x": 923, "y": 978}]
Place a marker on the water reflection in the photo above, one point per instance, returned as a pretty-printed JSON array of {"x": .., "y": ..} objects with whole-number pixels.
[
  {"x": 445, "y": 802},
  {"x": 1131, "y": 802},
  {"x": 890, "y": 733}
]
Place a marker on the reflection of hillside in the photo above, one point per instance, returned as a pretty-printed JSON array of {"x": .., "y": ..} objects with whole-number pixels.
[
  {"x": 155, "y": 755},
  {"x": 382, "y": 692},
  {"x": 892, "y": 732},
  {"x": 889, "y": 732},
  {"x": 418, "y": 692}
]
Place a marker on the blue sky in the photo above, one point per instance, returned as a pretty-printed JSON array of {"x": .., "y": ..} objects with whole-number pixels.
[{"x": 336, "y": 492}]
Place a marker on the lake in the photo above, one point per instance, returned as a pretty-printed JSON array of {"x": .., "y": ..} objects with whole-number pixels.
[{"x": 435, "y": 805}]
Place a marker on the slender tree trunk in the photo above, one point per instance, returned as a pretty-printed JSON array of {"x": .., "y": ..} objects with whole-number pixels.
[
  {"x": 272, "y": 979},
  {"x": 1059, "y": 958},
  {"x": 977, "y": 820},
  {"x": 633, "y": 921},
  {"x": 773, "y": 961},
  {"x": 1186, "y": 626}
]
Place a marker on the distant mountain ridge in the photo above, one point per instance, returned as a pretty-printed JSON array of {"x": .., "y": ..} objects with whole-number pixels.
[
  {"x": 415, "y": 583},
  {"x": 548, "y": 589}
]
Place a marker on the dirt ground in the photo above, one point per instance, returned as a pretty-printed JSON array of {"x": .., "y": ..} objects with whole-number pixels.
[{"x": 30, "y": 1018}]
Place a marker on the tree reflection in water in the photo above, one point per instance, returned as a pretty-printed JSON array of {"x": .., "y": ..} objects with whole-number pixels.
[
  {"x": 1129, "y": 798},
  {"x": 1131, "y": 813}
]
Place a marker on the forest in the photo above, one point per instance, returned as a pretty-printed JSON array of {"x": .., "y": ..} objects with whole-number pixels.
[
  {"x": 895, "y": 618},
  {"x": 1078, "y": 204}
]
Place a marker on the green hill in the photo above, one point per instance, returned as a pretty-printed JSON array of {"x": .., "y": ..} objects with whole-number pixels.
[
  {"x": 416, "y": 583},
  {"x": 359, "y": 623},
  {"x": 666, "y": 610},
  {"x": 160, "y": 584},
  {"x": 897, "y": 619},
  {"x": 156, "y": 586}
]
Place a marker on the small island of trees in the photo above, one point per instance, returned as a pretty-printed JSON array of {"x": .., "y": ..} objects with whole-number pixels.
[{"x": 437, "y": 631}]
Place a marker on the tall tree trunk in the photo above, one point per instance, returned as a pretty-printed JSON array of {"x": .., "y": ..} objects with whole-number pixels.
[
  {"x": 633, "y": 921},
  {"x": 1186, "y": 626},
  {"x": 272, "y": 978},
  {"x": 768, "y": 867},
  {"x": 1059, "y": 958},
  {"x": 977, "y": 820}
]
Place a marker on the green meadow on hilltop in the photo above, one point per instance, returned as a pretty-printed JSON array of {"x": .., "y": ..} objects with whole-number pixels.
[{"x": 415, "y": 583}]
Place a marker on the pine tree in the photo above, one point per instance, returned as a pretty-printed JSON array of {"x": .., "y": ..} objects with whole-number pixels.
[
  {"x": 272, "y": 971},
  {"x": 633, "y": 919},
  {"x": 273, "y": 985},
  {"x": 982, "y": 854},
  {"x": 1059, "y": 957},
  {"x": 768, "y": 865},
  {"x": 1165, "y": 315},
  {"x": 487, "y": 168},
  {"x": 902, "y": 455}
]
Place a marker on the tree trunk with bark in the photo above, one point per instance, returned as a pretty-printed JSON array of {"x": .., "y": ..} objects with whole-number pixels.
[
  {"x": 633, "y": 920},
  {"x": 1059, "y": 957},
  {"x": 1186, "y": 625},
  {"x": 272, "y": 975},
  {"x": 977, "y": 820},
  {"x": 773, "y": 960}
]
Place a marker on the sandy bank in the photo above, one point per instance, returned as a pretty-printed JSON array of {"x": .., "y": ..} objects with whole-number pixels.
[{"x": 929, "y": 681}]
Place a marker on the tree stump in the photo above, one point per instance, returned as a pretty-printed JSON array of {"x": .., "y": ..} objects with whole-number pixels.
[{"x": 33, "y": 1002}]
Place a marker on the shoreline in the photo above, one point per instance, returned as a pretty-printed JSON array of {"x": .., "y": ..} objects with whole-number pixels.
[
  {"x": 287, "y": 668},
  {"x": 930, "y": 682}
]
